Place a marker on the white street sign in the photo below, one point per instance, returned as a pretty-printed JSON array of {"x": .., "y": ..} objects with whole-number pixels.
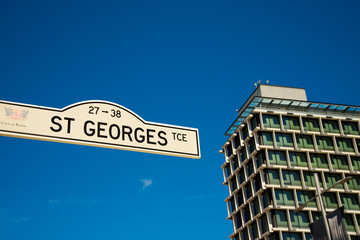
[{"x": 100, "y": 124}]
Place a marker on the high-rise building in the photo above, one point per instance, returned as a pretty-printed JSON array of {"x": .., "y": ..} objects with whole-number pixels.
[{"x": 276, "y": 144}]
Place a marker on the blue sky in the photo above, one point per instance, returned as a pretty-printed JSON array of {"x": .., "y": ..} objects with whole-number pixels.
[{"x": 187, "y": 63}]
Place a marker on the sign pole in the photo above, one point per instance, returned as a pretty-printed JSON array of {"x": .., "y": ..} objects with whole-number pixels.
[{"x": 318, "y": 193}]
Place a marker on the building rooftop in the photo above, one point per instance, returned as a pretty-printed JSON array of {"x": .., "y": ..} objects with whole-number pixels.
[{"x": 285, "y": 98}]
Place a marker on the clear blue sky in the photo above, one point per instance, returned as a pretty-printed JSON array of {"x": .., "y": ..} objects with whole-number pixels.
[{"x": 187, "y": 63}]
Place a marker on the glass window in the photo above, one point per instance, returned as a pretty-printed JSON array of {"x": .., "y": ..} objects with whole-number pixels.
[
  {"x": 318, "y": 160},
  {"x": 291, "y": 236},
  {"x": 237, "y": 219},
  {"x": 345, "y": 145},
  {"x": 254, "y": 230},
  {"x": 228, "y": 150},
  {"x": 330, "y": 126},
  {"x": 355, "y": 161},
  {"x": 330, "y": 200},
  {"x": 350, "y": 201},
  {"x": 284, "y": 140},
  {"x": 257, "y": 183},
  {"x": 272, "y": 176},
  {"x": 255, "y": 121},
  {"x": 249, "y": 168},
  {"x": 271, "y": 121},
  {"x": 298, "y": 159},
  {"x": 266, "y": 138},
  {"x": 308, "y": 236},
  {"x": 244, "y": 234},
  {"x": 232, "y": 205},
  {"x": 252, "y": 145},
  {"x": 291, "y": 123},
  {"x": 324, "y": 143},
  {"x": 291, "y": 178},
  {"x": 263, "y": 224},
  {"x": 255, "y": 207},
  {"x": 280, "y": 218},
  {"x": 277, "y": 158},
  {"x": 304, "y": 196},
  {"x": 332, "y": 178},
  {"x": 241, "y": 176},
  {"x": 244, "y": 132},
  {"x": 236, "y": 141},
  {"x": 239, "y": 198},
  {"x": 233, "y": 184},
  {"x": 354, "y": 183},
  {"x": 284, "y": 197},
  {"x": 316, "y": 215},
  {"x": 304, "y": 141},
  {"x": 235, "y": 163},
  {"x": 247, "y": 190},
  {"x": 299, "y": 219},
  {"x": 267, "y": 199},
  {"x": 311, "y": 124},
  {"x": 242, "y": 154},
  {"x": 246, "y": 213},
  {"x": 350, "y": 128},
  {"x": 310, "y": 179},
  {"x": 260, "y": 159},
  {"x": 339, "y": 162},
  {"x": 349, "y": 222}
]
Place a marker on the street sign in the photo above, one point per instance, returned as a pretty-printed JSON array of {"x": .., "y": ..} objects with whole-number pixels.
[{"x": 100, "y": 124}]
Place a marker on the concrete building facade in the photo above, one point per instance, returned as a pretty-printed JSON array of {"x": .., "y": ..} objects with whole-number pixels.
[{"x": 275, "y": 145}]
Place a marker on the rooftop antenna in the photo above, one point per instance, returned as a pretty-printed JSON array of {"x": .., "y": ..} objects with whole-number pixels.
[
  {"x": 255, "y": 84},
  {"x": 267, "y": 82}
]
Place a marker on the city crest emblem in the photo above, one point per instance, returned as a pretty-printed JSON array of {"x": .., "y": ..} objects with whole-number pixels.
[{"x": 16, "y": 114}]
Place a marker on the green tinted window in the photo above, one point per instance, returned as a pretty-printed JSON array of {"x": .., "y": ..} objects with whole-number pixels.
[
  {"x": 304, "y": 141},
  {"x": 311, "y": 124},
  {"x": 298, "y": 159},
  {"x": 284, "y": 197},
  {"x": 349, "y": 222},
  {"x": 271, "y": 121},
  {"x": 267, "y": 138},
  {"x": 330, "y": 200},
  {"x": 291, "y": 123},
  {"x": 330, "y": 126},
  {"x": 324, "y": 143},
  {"x": 280, "y": 218},
  {"x": 291, "y": 178},
  {"x": 350, "y": 201},
  {"x": 354, "y": 183},
  {"x": 277, "y": 158},
  {"x": 284, "y": 140},
  {"x": 291, "y": 236},
  {"x": 273, "y": 175},
  {"x": 355, "y": 161},
  {"x": 319, "y": 160},
  {"x": 350, "y": 128},
  {"x": 339, "y": 162},
  {"x": 299, "y": 219},
  {"x": 332, "y": 178},
  {"x": 345, "y": 145},
  {"x": 304, "y": 196}
]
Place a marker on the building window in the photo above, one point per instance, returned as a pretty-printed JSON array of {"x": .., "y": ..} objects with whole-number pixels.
[
  {"x": 274, "y": 236},
  {"x": 291, "y": 123},
  {"x": 298, "y": 159},
  {"x": 284, "y": 197},
  {"x": 291, "y": 236},
  {"x": 263, "y": 224},
  {"x": 279, "y": 218},
  {"x": 267, "y": 199},
  {"x": 255, "y": 122},
  {"x": 241, "y": 176},
  {"x": 354, "y": 183},
  {"x": 257, "y": 183},
  {"x": 272, "y": 176},
  {"x": 350, "y": 201},
  {"x": 244, "y": 132},
  {"x": 349, "y": 222},
  {"x": 316, "y": 215},
  {"x": 249, "y": 168},
  {"x": 319, "y": 160},
  {"x": 330, "y": 200},
  {"x": 311, "y": 124},
  {"x": 252, "y": 146},
  {"x": 236, "y": 141},
  {"x": 325, "y": 143},
  {"x": 310, "y": 179},
  {"x": 246, "y": 214},
  {"x": 228, "y": 150},
  {"x": 232, "y": 205},
  {"x": 255, "y": 207},
  {"x": 332, "y": 178},
  {"x": 227, "y": 170},
  {"x": 247, "y": 190},
  {"x": 330, "y": 126},
  {"x": 260, "y": 159},
  {"x": 232, "y": 184},
  {"x": 345, "y": 145},
  {"x": 304, "y": 196},
  {"x": 238, "y": 222},
  {"x": 308, "y": 236},
  {"x": 244, "y": 234},
  {"x": 266, "y": 138},
  {"x": 355, "y": 161},
  {"x": 271, "y": 121},
  {"x": 291, "y": 178},
  {"x": 284, "y": 140},
  {"x": 242, "y": 154},
  {"x": 299, "y": 219},
  {"x": 239, "y": 198},
  {"x": 277, "y": 158},
  {"x": 304, "y": 141},
  {"x": 350, "y": 128},
  {"x": 254, "y": 230},
  {"x": 235, "y": 163},
  {"x": 339, "y": 162}
]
